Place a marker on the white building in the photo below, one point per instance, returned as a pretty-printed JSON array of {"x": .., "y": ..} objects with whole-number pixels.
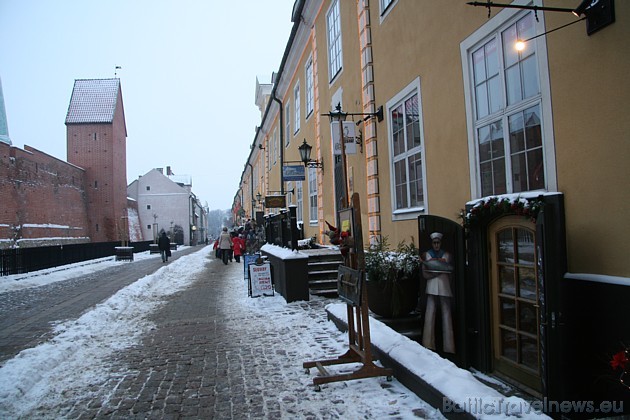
[{"x": 166, "y": 202}]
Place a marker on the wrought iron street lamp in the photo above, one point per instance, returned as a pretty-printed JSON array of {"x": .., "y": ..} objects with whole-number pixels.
[{"x": 305, "y": 156}]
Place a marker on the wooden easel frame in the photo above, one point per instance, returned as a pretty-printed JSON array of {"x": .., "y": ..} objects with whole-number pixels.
[{"x": 351, "y": 287}]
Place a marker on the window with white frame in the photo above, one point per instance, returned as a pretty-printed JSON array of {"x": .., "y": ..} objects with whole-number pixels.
[
  {"x": 268, "y": 151},
  {"x": 385, "y": 5},
  {"x": 309, "y": 90},
  {"x": 275, "y": 145},
  {"x": 312, "y": 195},
  {"x": 296, "y": 108},
  {"x": 299, "y": 195},
  {"x": 255, "y": 177},
  {"x": 287, "y": 123},
  {"x": 406, "y": 146},
  {"x": 289, "y": 193},
  {"x": 333, "y": 25},
  {"x": 507, "y": 93}
]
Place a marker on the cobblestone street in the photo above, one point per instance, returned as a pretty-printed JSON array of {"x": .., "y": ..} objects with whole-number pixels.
[{"x": 215, "y": 353}]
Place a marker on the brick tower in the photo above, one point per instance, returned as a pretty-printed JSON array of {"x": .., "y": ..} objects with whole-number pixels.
[{"x": 97, "y": 142}]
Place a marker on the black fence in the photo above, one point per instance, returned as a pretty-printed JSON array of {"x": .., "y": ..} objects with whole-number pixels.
[
  {"x": 281, "y": 229},
  {"x": 24, "y": 260}
]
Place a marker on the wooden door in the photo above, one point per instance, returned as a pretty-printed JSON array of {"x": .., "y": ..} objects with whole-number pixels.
[{"x": 515, "y": 301}]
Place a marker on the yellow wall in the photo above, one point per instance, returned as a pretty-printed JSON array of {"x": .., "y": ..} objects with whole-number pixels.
[
  {"x": 591, "y": 109},
  {"x": 590, "y": 91},
  {"x": 411, "y": 42}
]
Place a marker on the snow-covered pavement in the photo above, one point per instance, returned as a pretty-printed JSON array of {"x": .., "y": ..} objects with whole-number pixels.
[
  {"x": 81, "y": 371},
  {"x": 43, "y": 381}
]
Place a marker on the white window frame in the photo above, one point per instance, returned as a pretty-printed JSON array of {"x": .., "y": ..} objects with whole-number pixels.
[
  {"x": 312, "y": 196},
  {"x": 493, "y": 28},
  {"x": 296, "y": 109},
  {"x": 409, "y": 212},
  {"x": 386, "y": 6},
  {"x": 275, "y": 146},
  {"x": 299, "y": 196},
  {"x": 255, "y": 177},
  {"x": 309, "y": 87},
  {"x": 333, "y": 35},
  {"x": 287, "y": 124},
  {"x": 289, "y": 193},
  {"x": 269, "y": 151}
]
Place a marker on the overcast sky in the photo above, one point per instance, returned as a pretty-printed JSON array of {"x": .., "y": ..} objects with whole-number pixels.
[{"x": 188, "y": 77}]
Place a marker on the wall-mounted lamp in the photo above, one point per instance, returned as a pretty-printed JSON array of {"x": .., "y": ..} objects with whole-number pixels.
[
  {"x": 490, "y": 4},
  {"x": 339, "y": 115},
  {"x": 586, "y": 4},
  {"x": 305, "y": 156},
  {"x": 260, "y": 146},
  {"x": 598, "y": 13},
  {"x": 520, "y": 44},
  {"x": 358, "y": 138}
]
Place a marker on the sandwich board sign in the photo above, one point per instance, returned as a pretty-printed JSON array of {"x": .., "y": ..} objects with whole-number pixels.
[
  {"x": 260, "y": 280},
  {"x": 248, "y": 259}
]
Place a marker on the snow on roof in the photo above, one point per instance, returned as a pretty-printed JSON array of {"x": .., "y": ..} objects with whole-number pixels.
[{"x": 93, "y": 101}]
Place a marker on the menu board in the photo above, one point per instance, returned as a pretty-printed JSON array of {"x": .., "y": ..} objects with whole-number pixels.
[{"x": 260, "y": 283}]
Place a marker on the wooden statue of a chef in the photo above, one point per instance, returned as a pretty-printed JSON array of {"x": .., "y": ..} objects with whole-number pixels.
[{"x": 437, "y": 268}]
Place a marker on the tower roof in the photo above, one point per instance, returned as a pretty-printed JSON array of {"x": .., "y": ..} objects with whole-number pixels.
[
  {"x": 4, "y": 126},
  {"x": 93, "y": 101}
]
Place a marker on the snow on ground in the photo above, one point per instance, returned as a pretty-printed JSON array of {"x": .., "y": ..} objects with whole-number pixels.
[
  {"x": 80, "y": 345},
  {"x": 64, "y": 272},
  {"x": 459, "y": 385},
  {"x": 70, "y": 362}
]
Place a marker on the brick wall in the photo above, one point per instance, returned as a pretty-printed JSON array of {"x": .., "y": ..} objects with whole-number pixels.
[
  {"x": 40, "y": 197},
  {"x": 101, "y": 150}
]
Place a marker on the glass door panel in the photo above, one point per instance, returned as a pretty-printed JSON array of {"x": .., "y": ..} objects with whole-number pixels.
[{"x": 514, "y": 285}]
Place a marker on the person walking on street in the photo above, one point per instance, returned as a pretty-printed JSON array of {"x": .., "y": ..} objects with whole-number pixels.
[
  {"x": 164, "y": 245},
  {"x": 239, "y": 247},
  {"x": 217, "y": 250},
  {"x": 225, "y": 245}
]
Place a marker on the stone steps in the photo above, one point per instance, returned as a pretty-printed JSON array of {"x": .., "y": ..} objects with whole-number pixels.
[{"x": 323, "y": 266}]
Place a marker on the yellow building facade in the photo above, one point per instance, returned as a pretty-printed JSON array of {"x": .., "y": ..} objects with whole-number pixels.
[
  {"x": 427, "y": 49},
  {"x": 476, "y": 132}
]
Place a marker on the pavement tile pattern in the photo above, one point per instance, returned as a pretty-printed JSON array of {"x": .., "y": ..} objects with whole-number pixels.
[{"x": 214, "y": 354}]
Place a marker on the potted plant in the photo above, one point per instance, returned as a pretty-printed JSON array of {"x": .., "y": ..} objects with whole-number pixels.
[{"x": 392, "y": 278}]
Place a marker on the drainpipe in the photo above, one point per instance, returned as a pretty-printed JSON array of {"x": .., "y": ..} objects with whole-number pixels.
[
  {"x": 296, "y": 18},
  {"x": 281, "y": 140},
  {"x": 251, "y": 188}
]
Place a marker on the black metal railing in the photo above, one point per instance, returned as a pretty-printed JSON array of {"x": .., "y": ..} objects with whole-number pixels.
[
  {"x": 25, "y": 260},
  {"x": 281, "y": 229}
]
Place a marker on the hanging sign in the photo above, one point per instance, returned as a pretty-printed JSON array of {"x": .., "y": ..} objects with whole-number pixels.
[
  {"x": 293, "y": 173},
  {"x": 260, "y": 280},
  {"x": 348, "y": 137},
  {"x": 275, "y": 201}
]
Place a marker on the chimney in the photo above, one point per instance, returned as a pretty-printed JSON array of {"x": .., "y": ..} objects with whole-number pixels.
[{"x": 168, "y": 171}]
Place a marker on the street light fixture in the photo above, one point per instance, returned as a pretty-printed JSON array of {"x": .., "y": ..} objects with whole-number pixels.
[
  {"x": 338, "y": 116},
  {"x": 260, "y": 199},
  {"x": 305, "y": 155}
]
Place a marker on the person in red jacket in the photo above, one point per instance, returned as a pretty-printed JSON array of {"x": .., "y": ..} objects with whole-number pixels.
[
  {"x": 238, "y": 247},
  {"x": 217, "y": 250}
]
